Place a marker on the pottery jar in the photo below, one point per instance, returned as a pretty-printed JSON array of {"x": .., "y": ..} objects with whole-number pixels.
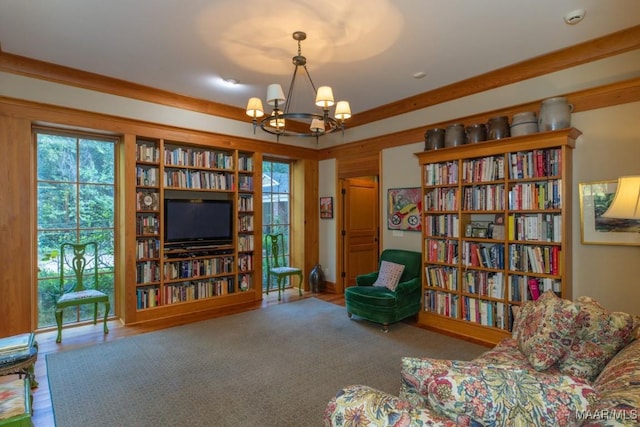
[
  {"x": 498, "y": 127},
  {"x": 454, "y": 135},
  {"x": 555, "y": 113},
  {"x": 434, "y": 139},
  {"x": 524, "y": 123},
  {"x": 476, "y": 133}
]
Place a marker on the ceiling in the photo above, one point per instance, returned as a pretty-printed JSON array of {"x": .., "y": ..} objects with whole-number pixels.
[{"x": 368, "y": 51}]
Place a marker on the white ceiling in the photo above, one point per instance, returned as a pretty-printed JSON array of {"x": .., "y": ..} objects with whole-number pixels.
[{"x": 368, "y": 51}]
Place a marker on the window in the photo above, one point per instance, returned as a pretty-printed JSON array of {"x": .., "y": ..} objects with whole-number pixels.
[
  {"x": 75, "y": 203},
  {"x": 276, "y": 206}
]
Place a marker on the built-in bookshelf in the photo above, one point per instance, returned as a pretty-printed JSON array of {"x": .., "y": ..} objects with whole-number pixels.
[
  {"x": 496, "y": 230},
  {"x": 174, "y": 278},
  {"x": 148, "y": 223}
]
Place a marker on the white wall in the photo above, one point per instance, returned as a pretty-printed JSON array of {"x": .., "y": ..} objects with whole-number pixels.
[
  {"x": 608, "y": 148},
  {"x": 400, "y": 169},
  {"x": 328, "y": 232}
]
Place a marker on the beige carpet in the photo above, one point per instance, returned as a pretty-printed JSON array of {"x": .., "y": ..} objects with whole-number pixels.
[{"x": 277, "y": 366}]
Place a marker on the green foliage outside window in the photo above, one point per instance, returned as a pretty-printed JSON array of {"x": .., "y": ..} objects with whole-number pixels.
[{"x": 76, "y": 203}]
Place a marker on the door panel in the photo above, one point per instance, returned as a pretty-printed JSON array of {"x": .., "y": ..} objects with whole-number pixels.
[{"x": 361, "y": 227}]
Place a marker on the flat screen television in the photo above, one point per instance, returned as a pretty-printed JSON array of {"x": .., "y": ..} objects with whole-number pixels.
[{"x": 198, "y": 222}]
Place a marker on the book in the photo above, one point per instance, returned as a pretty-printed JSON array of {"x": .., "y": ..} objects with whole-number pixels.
[
  {"x": 16, "y": 343},
  {"x": 534, "y": 289}
]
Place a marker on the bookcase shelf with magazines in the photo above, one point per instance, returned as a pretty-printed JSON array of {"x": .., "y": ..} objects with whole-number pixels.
[
  {"x": 194, "y": 229},
  {"x": 496, "y": 230}
]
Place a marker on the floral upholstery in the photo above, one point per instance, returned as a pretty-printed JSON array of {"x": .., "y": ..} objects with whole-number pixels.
[
  {"x": 502, "y": 396},
  {"x": 599, "y": 336},
  {"x": 544, "y": 329},
  {"x": 501, "y": 387}
]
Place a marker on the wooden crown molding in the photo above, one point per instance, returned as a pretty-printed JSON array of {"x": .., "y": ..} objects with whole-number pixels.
[
  {"x": 584, "y": 100},
  {"x": 609, "y": 45}
]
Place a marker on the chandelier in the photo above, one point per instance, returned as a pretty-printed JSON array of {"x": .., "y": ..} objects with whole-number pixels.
[{"x": 282, "y": 122}]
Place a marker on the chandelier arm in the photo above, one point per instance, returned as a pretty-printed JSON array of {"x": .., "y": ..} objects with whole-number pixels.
[
  {"x": 310, "y": 79},
  {"x": 290, "y": 92}
]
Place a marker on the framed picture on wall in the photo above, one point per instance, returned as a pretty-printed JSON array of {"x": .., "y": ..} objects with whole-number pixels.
[
  {"x": 326, "y": 207},
  {"x": 595, "y": 198},
  {"x": 404, "y": 211}
]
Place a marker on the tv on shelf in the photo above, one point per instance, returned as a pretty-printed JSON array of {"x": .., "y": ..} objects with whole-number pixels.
[{"x": 189, "y": 222}]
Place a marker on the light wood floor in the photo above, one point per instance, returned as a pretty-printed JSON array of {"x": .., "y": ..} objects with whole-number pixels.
[{"x": 82, "y": 336}]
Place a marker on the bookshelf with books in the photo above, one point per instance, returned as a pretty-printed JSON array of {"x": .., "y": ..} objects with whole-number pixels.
[
  {"x": 148, "y": 222},
  {"x": 497, "y": 230},
  {"x": 174, "y": 278}
]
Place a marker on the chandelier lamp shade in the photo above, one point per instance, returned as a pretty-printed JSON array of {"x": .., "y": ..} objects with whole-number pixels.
[
  {"x": 283, "y": 122},
  {"x": 626, "y": 201}
]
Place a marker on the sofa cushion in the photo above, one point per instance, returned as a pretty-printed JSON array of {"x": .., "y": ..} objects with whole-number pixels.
[
  {"x": 501, "y": 396},
  {"x": 389, "y": 275},
  {"x": 618, "y": 386},
  {"x": 600, "y": 334},
  {"x": 544, "y": 329}
]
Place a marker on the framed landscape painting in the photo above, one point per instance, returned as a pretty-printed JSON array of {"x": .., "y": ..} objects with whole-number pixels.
[{"x": 595, "y": 198}]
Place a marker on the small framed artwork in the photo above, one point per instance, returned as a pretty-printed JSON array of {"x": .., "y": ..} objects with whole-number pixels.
[
  {"x": 404, "y": 209},
  {"x": 595, "y": 198},
  {"x": 326, "y": 207}
]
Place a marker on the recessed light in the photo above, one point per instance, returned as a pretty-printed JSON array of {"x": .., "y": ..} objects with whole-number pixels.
[
  {"x": 419, "y": 75},
  {"x": 230, "y": 81}
]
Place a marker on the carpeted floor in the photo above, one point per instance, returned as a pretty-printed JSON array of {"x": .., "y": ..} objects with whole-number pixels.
[{"x": 277, "y": 366}]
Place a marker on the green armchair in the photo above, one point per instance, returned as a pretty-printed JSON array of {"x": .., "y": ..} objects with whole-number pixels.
[{"x": 380, "y": 304}]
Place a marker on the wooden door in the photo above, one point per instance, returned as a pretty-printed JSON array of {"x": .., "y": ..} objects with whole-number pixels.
[{"x": 361, "y": 228}]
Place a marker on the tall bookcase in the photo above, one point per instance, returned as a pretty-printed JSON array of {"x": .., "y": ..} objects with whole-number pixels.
[
  {"x": 496, "y": 230},
  {"x": 164, "y": 280}
]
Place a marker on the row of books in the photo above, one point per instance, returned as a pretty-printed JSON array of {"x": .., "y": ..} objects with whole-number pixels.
[
  {"x": 190, "y": 291},
  {"x": 442, "y": 225},
  {"x": 147, "y": 152},
  {"x": 245, "y": 243},
  {"x": 148, "y": 248},
  {"x": 527, "y": 288},
  {"x": 180, "y": 156},
  {"x": 442, "y": 277},
  {"x": 185, "y": 269},
  {"x": 484, "y": 283},
  {"x": 441, "y": 173},
  {"x": 147, "y": 272},
  {"x": 245, "y": 183},
  {"x": 245, "y": 163},
  {"x": 439, "y": 250},
  {"x": 476, "y": 254},
  {"x": 483, "y": 169},
  {"x": 147, "y": 297},
  {"x": 483, "y": 198},
  {"x": 245, "y": 262},
  {"x": 536, "y": 163},
  {"x": 536, "y": 195},
  {"x": 245, "y": 203},
  {"x": 245, "y": 223},
  {"x": 199, "y": 180},
  {"x": 148, "y": 224},
  {"x": 541, "y": 227},
  {"x": 486, "y": 313},
  {"x": 535, "y": 259},
  {"x": 443, "y": 303},
  {"x": 146, "y": 176},
  {"x": 441, "y": 199}
]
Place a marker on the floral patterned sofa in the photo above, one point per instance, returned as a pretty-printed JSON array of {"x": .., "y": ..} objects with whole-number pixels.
[{"x": 567, "y": 363}]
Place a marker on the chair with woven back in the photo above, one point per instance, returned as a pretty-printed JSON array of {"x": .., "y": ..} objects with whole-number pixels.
[
  {"x": 78, "y": 265},
  {"x": 276, "y": 263}
]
